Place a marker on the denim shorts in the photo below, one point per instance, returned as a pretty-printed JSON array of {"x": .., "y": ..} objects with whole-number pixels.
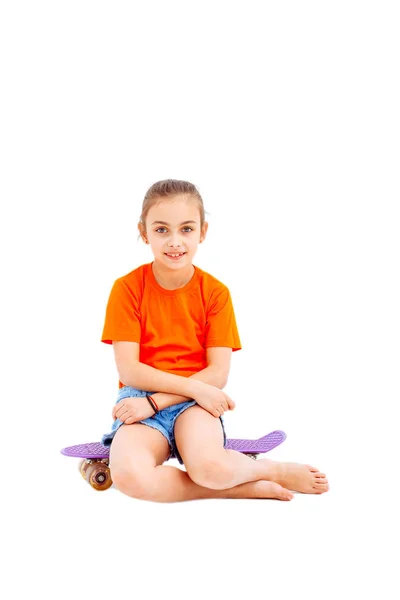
[{"x": 164, "y": 421}]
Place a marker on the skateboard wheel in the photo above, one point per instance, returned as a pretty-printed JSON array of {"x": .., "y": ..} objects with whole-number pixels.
[
  {"x": 99, "y": 476},
  {"x": 251, "y": 455},
  {"x": 84, "y": 464}
]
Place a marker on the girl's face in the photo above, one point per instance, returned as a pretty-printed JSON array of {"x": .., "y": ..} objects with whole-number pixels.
[{"x": 173, "y": 227}]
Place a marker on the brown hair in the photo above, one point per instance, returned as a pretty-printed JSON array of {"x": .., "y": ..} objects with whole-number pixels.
[{"x": 166, "y": 188}]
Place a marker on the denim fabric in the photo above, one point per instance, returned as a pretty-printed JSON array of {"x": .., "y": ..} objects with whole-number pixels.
[{"x": 164, "y": 421}]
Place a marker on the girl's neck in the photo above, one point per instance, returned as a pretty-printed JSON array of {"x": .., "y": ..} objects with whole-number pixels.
[{"x": 171, "y": 280}]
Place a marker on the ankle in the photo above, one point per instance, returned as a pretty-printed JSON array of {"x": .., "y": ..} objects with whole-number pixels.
[{"x": 271, "y": 469}]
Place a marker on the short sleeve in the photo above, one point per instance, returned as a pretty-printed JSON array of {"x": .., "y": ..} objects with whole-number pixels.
[
  {"x": 221, "y": 328},
  {"x": 122, "y": 321}
]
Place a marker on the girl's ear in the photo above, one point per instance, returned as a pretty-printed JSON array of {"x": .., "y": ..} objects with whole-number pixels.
[
  {"x": 203, "y": 232},
  {"x": 142, "y": 233}
]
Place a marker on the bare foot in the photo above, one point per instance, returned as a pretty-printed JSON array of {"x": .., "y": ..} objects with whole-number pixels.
[
  {"x": 298, "y": 477},
  {"x": 268, "y": 489}
]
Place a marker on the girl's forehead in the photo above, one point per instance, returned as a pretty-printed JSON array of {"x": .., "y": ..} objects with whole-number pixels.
[{"x": 181, "y": 206}]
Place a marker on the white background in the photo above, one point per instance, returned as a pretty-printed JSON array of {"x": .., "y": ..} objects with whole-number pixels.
[{"x": 286, "y": 117}]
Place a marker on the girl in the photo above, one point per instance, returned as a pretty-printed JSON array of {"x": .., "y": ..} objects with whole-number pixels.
[{"x": 173, "y": 331}]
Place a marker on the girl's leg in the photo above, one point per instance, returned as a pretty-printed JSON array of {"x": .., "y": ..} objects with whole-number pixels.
[
  {"x": 136, "y": 456},
  {"x": 199, "y": 438}
]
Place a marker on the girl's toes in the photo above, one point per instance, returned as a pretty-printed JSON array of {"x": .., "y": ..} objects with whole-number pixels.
[
  {"x": 312, "y": 469},
  {"x": 274, "y": 490},
  {"x": 285, "y": 494},
  {"x": 320, "y": 488}
]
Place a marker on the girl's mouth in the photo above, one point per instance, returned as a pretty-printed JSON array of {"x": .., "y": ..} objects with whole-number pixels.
[{"x": 175, "y": 255}]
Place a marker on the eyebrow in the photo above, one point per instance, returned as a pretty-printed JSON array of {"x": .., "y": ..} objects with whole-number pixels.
[{"x": 165, "y": 223}]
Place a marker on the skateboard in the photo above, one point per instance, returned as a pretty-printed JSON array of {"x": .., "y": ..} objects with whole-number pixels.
[{"x": 95, "y": 470}]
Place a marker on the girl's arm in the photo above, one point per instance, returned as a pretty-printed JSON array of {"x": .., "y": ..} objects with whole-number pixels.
[
  {"x": 143, "y": 377},
  {"x": 210, "y": 375},
  {"x": 173, "y": 388}
]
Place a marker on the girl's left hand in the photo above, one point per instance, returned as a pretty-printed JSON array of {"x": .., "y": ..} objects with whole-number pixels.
[{"x": 130, "y": 410}]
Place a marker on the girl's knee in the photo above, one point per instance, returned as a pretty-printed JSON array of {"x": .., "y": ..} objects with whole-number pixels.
[
  {"x": 212, "y": 473},
  {"x": 133, "y": 482}
]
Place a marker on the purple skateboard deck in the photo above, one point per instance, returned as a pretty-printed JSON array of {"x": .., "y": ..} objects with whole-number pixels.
[{"x": 264, "y": 444}]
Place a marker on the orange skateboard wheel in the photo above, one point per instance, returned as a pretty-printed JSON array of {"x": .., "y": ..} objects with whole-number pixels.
[{"x": 99, "y": 476}]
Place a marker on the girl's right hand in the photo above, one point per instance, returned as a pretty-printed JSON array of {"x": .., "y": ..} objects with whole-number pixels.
[
  {"x": 131, "y": 409},
  {"x": 212, "y": 399}
]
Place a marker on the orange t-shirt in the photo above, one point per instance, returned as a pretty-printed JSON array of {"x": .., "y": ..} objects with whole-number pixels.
[{"x": 173, "y": 327}]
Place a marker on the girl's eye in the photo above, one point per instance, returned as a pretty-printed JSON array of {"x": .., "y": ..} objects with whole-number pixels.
[{"x": 158, "y": 229}]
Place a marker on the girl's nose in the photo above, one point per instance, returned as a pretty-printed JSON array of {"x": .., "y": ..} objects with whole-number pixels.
[{"x": 175, "y": 241}]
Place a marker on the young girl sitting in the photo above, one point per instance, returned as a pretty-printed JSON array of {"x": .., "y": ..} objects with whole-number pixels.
[{"x": 173, "y": 330}]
